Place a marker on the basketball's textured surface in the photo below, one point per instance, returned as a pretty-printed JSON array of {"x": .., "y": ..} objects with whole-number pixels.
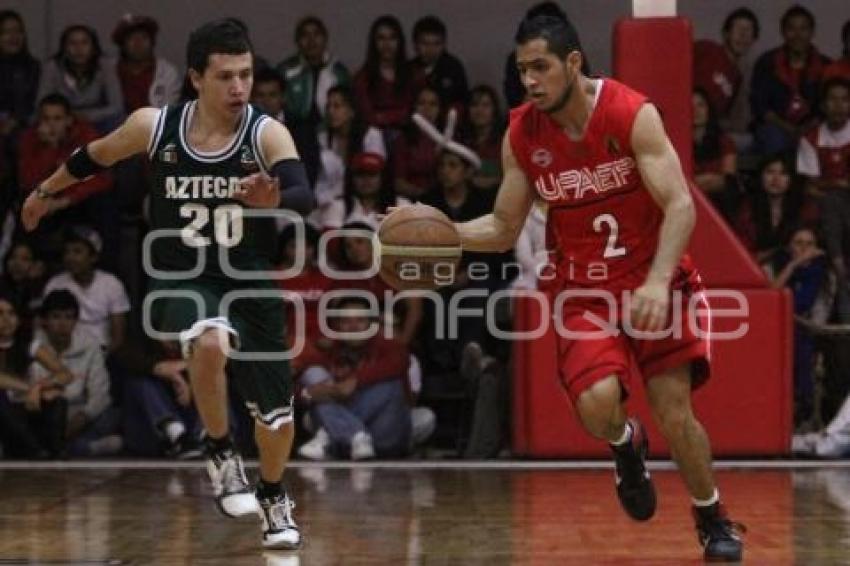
[{"x": 420, "y": 248}]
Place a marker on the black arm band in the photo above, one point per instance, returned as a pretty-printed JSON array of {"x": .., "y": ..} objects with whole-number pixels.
[
  {"x": 81, "y": 166},
  {"x": 295, "y": 191}
]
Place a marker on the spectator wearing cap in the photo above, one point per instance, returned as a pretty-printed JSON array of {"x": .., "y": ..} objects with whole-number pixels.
[
  {"x": 785, "y": 83},
  {"x": 103, "y": 301},
  {"x": 146, "y": 80},
  {"x": 311, "y": 72},
  {"x": 367, "y": 193},
  {"x": 435, "y": 66},
  {"x": 88, "y": 80}
]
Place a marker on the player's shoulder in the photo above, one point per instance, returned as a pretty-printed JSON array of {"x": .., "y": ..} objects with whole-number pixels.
[
  {"x": 524, "y": 121},
  {"x": 522, "y": 112},
  {"x": 616, "y": 94}
]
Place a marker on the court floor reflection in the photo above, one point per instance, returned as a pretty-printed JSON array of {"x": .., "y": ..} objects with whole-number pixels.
[{"x": 414, "y": 516}]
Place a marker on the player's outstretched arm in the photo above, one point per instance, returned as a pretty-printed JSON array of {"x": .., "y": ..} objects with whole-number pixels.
[
  {"x": 497, "y": 232},
  {"x": 130, "y": 138},
  {"x": 286, "y": 183},
  {"x": 663, "y": 177}
]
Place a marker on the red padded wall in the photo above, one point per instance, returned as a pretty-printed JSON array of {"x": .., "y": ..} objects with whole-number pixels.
[{"x": 745, "y": 406}]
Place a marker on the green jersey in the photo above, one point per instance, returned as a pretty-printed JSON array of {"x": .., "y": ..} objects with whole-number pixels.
[{"x": 192, "y": 198}]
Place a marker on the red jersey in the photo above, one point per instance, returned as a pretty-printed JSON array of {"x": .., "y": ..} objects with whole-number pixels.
[{"x": 603, "y": 225}]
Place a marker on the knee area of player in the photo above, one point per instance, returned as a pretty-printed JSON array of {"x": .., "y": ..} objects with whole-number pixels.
[{"x": 212, "y": 343}]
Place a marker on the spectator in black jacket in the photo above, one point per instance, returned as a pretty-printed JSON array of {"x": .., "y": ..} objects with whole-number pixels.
[
  {"x": 784, "y": 92},
  {"x": 435, "y": 67},
  {"x": 20, "y": 72}
]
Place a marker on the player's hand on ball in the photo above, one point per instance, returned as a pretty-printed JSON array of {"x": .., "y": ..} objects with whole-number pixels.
[
  {"x": 649, "y": 307},
  {"x": 258, "y": 191},
  {"x": 34, "y": 210}
]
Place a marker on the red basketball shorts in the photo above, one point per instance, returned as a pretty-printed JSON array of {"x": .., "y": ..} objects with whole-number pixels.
[{"x": 594, "y": 342}]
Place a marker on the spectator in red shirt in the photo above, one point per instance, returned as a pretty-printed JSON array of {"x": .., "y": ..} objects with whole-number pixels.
[
  {"x": 49, "y": 143},
  {"x": 146, "y": 80},
  {"x": 717, "y": 68},
  {"x": 358, "y": 390},
  {"x": 841, "y": 67},
  {"x": 357, "y": 256},
  {"x": 384, "y": 87},
  {"x": 308, "y": 285},
  {"x": 715, "y": 157},
  {"x": 784, "y": 91},
  {"x": 414, "y": 152},
  {"x": 482, "y": 132}
]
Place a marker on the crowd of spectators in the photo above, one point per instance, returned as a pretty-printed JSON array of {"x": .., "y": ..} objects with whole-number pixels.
[{"x": 771, "y": 147}]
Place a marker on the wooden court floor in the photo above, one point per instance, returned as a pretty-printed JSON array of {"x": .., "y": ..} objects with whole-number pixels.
[{"x": 378, "y": 515}]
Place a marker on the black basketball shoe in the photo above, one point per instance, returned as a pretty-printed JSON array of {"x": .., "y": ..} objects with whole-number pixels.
[
  {"x": 718, "y": 535},
  {"x": 634, "y": 485}
]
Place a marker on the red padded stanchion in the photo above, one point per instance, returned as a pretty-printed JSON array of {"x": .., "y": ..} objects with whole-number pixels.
[{"x": 745, "y": 407}]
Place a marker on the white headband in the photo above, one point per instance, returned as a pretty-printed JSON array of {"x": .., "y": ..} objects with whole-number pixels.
[{"x": 444, "y": 140}]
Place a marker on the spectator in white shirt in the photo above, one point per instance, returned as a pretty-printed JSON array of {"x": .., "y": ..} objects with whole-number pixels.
[
  {"x": 367, "y": 194},
  {"x": 530, "y": 248},
  {"x": 103, "y": 301}
]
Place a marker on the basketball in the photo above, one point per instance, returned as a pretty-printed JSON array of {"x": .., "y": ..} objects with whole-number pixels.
[{"x": 419, "y": 248}]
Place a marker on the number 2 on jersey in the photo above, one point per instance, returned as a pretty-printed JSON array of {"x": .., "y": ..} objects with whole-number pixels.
[
  {"x": 611, "y": 248},
  {"x": 227, "y": 225}
]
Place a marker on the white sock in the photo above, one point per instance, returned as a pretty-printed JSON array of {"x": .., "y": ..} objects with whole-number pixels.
[
  {"x": 715, "y": 497},
  {"x": 627, "y": 436},
  {"x": 174, "y": 430}
]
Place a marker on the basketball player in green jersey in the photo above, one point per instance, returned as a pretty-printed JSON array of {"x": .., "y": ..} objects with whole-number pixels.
[{"x": 213, "y": 160}]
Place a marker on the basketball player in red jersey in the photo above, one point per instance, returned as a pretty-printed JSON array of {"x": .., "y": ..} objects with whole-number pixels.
[{"x": 620, "y": 216}]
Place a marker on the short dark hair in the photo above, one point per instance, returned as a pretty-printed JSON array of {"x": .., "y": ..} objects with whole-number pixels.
[
  {"x": 845, "y": 37},
  {"x": 429, "y": 25},
  {"x": 269, "y": 75},
  {"x": 225, "y": 36},
  {"x": 834, "y": 82},
  {"x": 288, "y": 233},
  {"x": 560, "y": 35},
  {"x": 742, "y": 14},
  {"x": 796, "y": 11},
  {"x": 546, "y": 9},
  {"x": 55, "y": 99},
  {"x": 60, "y": 300},
  {"x": 309, "y": 21}
]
